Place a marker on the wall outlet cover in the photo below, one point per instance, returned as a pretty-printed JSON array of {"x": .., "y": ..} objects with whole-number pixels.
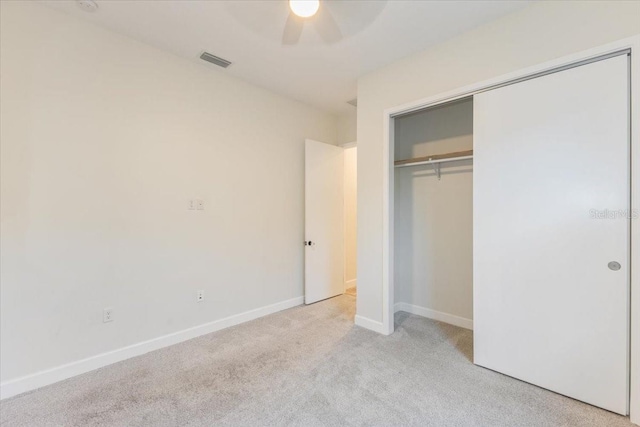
[{"x": 107, "y": 315}]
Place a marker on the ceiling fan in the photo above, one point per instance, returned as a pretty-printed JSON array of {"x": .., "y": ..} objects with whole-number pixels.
[{"x": 303, "y": 11}]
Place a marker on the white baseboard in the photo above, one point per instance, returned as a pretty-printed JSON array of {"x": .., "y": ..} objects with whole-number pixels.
[
  {"x": 370, "y": 324},
  {"x": 351, "y": 283},
  {"x": 435, "y": 315},
  {"x": 59, "y": 373}
]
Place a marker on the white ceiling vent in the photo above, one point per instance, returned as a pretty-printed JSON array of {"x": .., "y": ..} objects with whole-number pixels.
[
  {"x": 353, "y": 102},
  {"x": 215, "y": 60}
]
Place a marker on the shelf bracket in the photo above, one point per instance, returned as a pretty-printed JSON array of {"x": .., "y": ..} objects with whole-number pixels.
[{"x": 437, "y": 169}]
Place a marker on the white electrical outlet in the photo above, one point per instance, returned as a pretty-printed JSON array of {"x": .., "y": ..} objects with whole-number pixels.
[
  {"x": 200, "y": 204},
  {"x": 191, "y": 205},
  {"x": 107, "y": 315},
  {"x": 200, "y": 296}
]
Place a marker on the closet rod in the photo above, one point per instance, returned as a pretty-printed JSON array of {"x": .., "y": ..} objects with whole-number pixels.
[{"x": 436, "y": 158}]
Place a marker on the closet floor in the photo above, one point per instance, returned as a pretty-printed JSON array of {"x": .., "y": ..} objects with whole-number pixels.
[{"x": 307, "y": 366}]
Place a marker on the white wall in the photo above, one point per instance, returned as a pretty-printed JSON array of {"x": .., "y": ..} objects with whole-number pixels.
[
  {"x": 347, "y": 127},
  {"x": 539, "y": 33},
  {"x": 351, "y": 216},
  {"x": 104, "y": 140},
  {"x": 433, "y": 218}
]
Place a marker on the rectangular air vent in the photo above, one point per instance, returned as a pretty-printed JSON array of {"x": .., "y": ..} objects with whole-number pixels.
[
  {"x": 353, "y": 102},
  {"x": 215, "y": 60}
]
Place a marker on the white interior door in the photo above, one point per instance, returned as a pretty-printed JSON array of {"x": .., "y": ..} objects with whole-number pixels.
[
  {"x": 324, "y": 221},
  {"x": 551, "y": 199}
]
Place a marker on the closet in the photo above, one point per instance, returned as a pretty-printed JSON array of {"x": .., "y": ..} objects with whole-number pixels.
[
  {"x": 528, "y": 234},
  {"x": 433, "y": 212}
]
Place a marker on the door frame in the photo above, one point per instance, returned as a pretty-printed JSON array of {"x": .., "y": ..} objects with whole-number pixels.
[
  {"x": 633, "y": 45},
  {"x": 346, "y": 146}
]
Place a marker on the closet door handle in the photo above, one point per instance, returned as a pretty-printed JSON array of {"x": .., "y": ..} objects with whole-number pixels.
[{"x": 614, "y": 265}]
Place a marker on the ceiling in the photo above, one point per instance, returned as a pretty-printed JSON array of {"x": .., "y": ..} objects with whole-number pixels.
[{"x": 318, "y": 71}]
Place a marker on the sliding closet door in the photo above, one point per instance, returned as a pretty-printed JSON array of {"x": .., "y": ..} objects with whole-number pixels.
[{"x": 551, "y": 232}]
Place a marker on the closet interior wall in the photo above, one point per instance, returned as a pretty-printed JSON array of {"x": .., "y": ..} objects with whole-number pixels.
[{"x": 433, "y": 218}]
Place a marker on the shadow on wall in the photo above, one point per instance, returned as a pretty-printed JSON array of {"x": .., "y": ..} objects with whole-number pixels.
[{"x": 428, "y": 216}]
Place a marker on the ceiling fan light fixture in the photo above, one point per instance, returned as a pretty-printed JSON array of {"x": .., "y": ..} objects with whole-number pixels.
[{"x": 304, "y": 8}]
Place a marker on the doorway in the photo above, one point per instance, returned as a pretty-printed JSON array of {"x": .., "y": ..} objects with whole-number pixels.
[
  {"x": 330, "y": 221},
  {"x": 350, "y": 218},
  {"x": 433, "y": 204}
]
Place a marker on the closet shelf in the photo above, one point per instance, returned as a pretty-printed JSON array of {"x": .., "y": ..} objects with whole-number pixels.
[{"x": 435, "y": 158}]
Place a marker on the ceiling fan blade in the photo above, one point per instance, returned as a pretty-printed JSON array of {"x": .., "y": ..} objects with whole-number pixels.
[
  {"x": 292, "y": 30},
  {"x": 327, "y": 26}
]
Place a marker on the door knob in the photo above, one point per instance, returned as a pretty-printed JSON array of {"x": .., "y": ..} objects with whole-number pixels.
[
  {"x": 615, "y": 266},
  {"x": 309, "y": 243}
]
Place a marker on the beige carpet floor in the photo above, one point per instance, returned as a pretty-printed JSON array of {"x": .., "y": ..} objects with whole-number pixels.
[{"x": 307, "y": 366}]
